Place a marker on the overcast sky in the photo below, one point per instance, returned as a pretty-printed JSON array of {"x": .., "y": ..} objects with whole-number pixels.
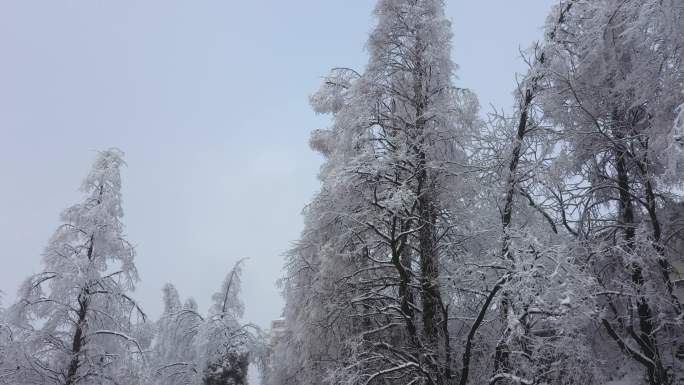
[{"x": 208, "y": 99}]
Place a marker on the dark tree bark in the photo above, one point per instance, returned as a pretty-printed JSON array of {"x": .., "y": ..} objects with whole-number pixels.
[
  {"x": 81, "y": 324},
  {"x": 467, "y": 353},
  {"x": 657, "y": 374},
  {"x": 78, "y": 340}
]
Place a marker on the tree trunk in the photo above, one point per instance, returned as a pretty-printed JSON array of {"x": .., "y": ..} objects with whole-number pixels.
[
  {"x": 645, "y": 338},
  {"x": 402, "y": 263},
  {"x": 431, "y": 297},
  {"x": 651, "y": 208},
  {"x": 502, "y": 353},
  {"x": 430, "y": 293},
  {"x": 79, "y": 338}
]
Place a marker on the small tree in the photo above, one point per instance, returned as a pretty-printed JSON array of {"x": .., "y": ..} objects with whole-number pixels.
[
  {"x": 213, "y": 350},
  {"x": 224, "y": 343},
  {"x": 174, "y": 353}
]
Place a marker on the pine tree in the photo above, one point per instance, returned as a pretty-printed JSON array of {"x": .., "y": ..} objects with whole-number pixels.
[{"x": 75, "y": 316}]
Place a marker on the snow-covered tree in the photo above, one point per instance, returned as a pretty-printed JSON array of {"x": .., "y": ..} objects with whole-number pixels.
[
  {"x": 5, "y": 340},
  {"x": 364, "y": 290},
  {"x": 617, "y": 80},
  {"x": 75, "y": 317},
  {"x": 224, "y": 343},
  {"x": 531, "y": 248},
  {"x": 174, "y": 353},
  {"x": 205, "y": 350}
]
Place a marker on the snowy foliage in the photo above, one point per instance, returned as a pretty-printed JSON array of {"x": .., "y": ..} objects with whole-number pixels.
[
  {"x": 76, "y": 323},
  {"x": 445, "y": 249},
  {"x": 540, "y": 247},
  {"x": 358, "y": 308},
  {"x": 615, "y": 85},
  {"x": 73, "y": 321},
  {"x": 205, "y": 350}
]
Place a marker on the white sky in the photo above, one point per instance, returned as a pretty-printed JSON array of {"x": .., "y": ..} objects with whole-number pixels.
[{"x": 208, "y": 99}]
